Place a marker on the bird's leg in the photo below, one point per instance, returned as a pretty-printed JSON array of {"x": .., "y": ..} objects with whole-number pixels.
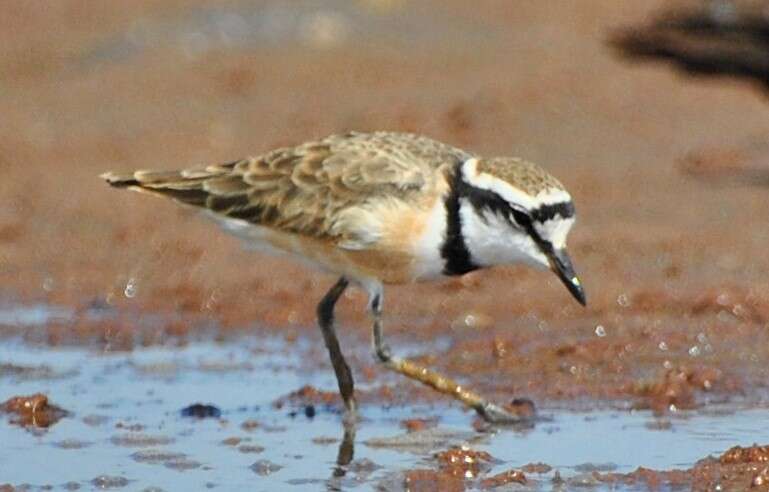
[
  {"x": 488, "y": 411},
  {"x": 325, "y": 311}
]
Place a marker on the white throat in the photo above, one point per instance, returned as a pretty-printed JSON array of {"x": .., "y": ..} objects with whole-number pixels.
[{"x": 491, "y": 240}]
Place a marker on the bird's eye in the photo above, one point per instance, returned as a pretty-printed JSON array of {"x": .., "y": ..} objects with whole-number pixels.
[{"x": 521, "y": 218}]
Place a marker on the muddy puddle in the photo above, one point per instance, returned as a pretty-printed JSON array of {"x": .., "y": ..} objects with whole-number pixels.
[{"x": 124, "y": 427}]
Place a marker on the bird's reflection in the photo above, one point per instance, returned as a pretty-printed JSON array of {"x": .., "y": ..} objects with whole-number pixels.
[
  {"x": 344, "y": 457},
  {"x": 346, "y": 450},
  {"x": 346, "y": 453}
]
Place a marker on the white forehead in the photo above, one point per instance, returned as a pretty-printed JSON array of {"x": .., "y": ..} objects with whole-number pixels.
[
  {"x": 509, "y": 192},
  {"x": 555, "y": 230}
]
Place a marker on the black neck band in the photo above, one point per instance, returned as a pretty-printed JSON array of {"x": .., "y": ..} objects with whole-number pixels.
[{"x": 456, "y": 256}]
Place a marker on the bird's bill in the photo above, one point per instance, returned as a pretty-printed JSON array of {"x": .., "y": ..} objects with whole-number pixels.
[{"x": 561, "y": 265}]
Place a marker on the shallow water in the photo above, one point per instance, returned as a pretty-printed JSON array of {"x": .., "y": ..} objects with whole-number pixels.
[{"x": 125, "y": 427}]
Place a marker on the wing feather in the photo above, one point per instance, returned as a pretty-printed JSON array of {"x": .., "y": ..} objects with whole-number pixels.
[{"x": 322, "y": 189}]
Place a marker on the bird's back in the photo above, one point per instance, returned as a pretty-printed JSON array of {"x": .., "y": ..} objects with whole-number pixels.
[
  {"x": 303, "y": 189},
  {"x": 356, "y": 203}
]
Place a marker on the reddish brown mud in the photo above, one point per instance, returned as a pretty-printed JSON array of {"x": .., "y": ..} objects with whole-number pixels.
[
  {"x": 736, "y": 469},
  {"x": 668, "y": 173},
  {"x": 675, "y": 268},
  {"x": 32, "y": 411}
]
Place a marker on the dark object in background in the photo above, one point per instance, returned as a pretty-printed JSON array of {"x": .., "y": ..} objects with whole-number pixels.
[
  {"x": 201, "y": 411},
  {"x": 309, "y": 412},
  {"x": 721, "y": 37}
]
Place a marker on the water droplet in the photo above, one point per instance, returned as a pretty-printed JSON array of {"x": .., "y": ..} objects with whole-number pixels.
[
  {"x": 702, "y": 338},
  {"x": 667, "y": 364},
  {"x": 470, "y": 320},
  {"x": 663, "y": 346},
  {"x": 130, "y": 288},
  {"x": 673, "y": 408},
  {"x": 623, "y": 300},
  {"x": 326, "y": 29},
  {"x": 725, "y": 316},
  {"x": 694, "y": 351},
  {"x": 600, "y": 331},
  {"x": 722, "y": 300},
  {"x": 740, "y": 311},
  {"x": 573, "y": 370},
  {"x": 48, "y": 284}
]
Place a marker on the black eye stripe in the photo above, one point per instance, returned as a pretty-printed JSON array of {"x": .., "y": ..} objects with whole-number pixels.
[
  {"x": 548, "y": 212},
  {"x": 482, "y": 199}
]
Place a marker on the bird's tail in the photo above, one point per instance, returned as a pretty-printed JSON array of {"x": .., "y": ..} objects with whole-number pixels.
[{"x": 182, "y": 186}]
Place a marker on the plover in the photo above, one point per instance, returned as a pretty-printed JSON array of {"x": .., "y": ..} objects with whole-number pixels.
[{"x": 383, "y": 208}]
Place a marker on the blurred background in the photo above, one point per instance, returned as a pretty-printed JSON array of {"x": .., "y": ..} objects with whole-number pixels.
[{"x": 653, "y": 114}]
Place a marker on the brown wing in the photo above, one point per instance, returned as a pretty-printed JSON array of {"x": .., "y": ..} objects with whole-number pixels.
[{"x": 303, "y": 189}]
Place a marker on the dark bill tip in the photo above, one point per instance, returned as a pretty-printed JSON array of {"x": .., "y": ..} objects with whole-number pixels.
[{"x": 561, "y": 265}]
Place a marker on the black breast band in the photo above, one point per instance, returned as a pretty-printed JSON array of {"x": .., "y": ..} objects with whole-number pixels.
[{"x": 456, "y": 256}]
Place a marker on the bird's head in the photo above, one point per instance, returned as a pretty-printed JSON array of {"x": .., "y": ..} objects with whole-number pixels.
[{"x": 513, "y": 211}]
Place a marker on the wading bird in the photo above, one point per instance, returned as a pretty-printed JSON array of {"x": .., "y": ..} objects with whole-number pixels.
[{"x": 383, "y": 208}]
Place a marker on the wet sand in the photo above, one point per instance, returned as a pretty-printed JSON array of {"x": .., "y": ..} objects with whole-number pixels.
[{"x": 670, "y": 246}]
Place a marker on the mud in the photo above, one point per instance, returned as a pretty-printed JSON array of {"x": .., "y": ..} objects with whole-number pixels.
[
  {"x": 668, "y": 173},
  {"x": 675, "y": 284},
  {"x": 737, "y": 469},
  {"x": 33, "y": 411}
]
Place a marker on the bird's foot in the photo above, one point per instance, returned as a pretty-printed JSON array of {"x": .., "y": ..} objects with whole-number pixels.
[{"x": 517, "y": 412}]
